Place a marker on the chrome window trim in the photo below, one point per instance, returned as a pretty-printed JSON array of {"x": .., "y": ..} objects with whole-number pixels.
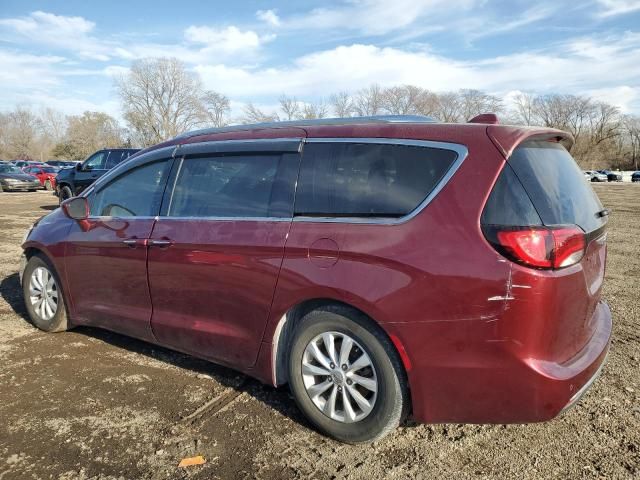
[
  {"x": 228, "y": 219},
  {"x": 219, "y": 147},
  {"x": 461, "y": 151}
]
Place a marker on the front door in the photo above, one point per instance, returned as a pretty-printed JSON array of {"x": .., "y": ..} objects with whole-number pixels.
[
  {"x": 106, "y": 257},
  {"x": 215, "y": 254},
  {"x": 92, "y": 169}
]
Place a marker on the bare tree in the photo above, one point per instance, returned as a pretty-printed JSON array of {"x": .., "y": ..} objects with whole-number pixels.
[
  {"x": 21, "y": 133},
  {"x": 524, "y": 109},
  {"x": 605, "y": 122},
  {"x": 290, "y": 107},
  {"x": 475, "y": 102},
  {"x": 342, "y": 104},
  {"x": 314, "y": 110},
  {"x": 368, "y": 101},
  {"x": 160, "y": 99},
  {"x": 89, "y": 132},
  {"x": 253, "y": 114},
  {"x": 215, "y": 108},
  {"x": 631, "y": 126},
  {"x": 448, "y": 107}
]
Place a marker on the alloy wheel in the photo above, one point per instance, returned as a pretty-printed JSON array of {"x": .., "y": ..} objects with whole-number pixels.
[
  {"x": 43, "y": 293},
  {"x": 339, "y": 377}
]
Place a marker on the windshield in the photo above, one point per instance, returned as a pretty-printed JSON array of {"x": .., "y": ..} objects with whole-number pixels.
[{"x": 9, "y": 169}]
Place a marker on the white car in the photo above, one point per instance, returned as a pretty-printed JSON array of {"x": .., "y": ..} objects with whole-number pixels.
[{"x": 594, "y": 176}]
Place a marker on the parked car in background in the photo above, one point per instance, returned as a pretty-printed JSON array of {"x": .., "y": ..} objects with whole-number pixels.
[
  {"x": 61, "y": 163},
  {"x": 45, "y": 174},
  {"x": 635, "y": 176},
  {"x": 596, "y": 176},
  {"x": 611, "y": 176},
  {"x": 25, "y": 163},
  {"x": 72, "y": 181},
  {"x": 14, "y": 179},
  {"x": 377, "y": 265}
]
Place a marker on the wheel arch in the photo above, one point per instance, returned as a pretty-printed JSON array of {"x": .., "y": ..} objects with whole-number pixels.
[{"x": 283, "y": 335}]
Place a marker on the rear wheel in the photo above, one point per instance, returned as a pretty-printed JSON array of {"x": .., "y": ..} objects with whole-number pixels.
[
  {"x": 43, "y": 296},
  {"x": 47, "y": 185},
  {"x": 346, "y": 376}
]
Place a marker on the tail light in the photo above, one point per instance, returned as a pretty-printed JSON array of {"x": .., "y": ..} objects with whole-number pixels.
[{"x": 538, "y": 247}]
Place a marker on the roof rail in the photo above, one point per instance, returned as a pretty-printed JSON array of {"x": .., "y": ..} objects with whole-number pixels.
[{"x": 314, "y": 122}]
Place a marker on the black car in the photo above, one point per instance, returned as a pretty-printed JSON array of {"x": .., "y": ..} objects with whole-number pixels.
[
  {"x": 635, "y": 176},
  {"x": 72, "y": 181},
  {"x": 611, "y": 176},
  {"x": 12, "y": 178}
]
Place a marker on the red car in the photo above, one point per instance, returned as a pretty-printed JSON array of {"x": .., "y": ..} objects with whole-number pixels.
[
  {"x": 380, "y": 266},
  {"x": 44, "y": 173}
]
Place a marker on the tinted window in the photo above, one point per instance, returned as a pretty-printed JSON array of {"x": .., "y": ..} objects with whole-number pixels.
[
  {"x": 233, "y": 186},
  {"x": 136, "y": 193},
  {"x": 96, "y": 162},
  {"x": 115, "y": 157},
  {"x": 556, "y": 185},
  {"x": 509, "y": 203},
  {"x": 351, "y": 179}
]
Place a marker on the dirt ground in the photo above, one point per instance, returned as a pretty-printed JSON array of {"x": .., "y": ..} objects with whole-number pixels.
[{"x": 91, "y": 404}]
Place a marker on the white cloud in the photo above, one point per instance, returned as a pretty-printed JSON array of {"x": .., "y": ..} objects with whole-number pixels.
[
  {"x": 269, "y": 17},
  {"x": 229, "y": 40},
  {"x": 378, "y": 17},
  {"x": 578, "y": 67},
  {"x": 57, "y": 31},
  {"x": 610, "y": 8},
  {"x": 74, "y": 34},
  {"x": 27, "y": 71},
  {"x": 623, "y": 96}
]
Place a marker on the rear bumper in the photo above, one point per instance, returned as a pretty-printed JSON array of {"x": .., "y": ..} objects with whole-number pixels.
[{"x": 489, "y": 383}]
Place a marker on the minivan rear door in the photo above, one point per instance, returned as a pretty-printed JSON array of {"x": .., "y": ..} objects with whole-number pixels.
[
  {"x": 216, "y": 250},
  {"x": 561, "y": 196}
]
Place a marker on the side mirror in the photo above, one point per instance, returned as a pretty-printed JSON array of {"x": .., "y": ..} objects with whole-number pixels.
[
  {"x": 78, "y": 167},
  {"x": 76, "y": 208}
]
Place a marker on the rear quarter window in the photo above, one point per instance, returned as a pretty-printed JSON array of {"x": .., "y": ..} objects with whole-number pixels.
[{"x": 368, "y": 180}]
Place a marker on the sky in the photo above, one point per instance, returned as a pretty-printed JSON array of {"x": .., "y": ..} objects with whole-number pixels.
[{"x": 66, "y": 54}]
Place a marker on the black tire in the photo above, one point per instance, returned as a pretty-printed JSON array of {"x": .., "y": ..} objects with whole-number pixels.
[
  {"x": 47, "y": 185},
  {"x": 65, "y": 193},
  {"x": 392, "y": 402},
  {"x": 58, "y": 322}
]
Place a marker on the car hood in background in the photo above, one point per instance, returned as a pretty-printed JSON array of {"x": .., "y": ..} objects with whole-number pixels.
[{"x": 18, "y": 176}]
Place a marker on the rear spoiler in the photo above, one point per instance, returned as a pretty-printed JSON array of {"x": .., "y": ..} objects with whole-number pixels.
[{"x": 506, "y": 139}]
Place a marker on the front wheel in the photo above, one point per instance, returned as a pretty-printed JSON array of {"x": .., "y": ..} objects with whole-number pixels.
[
  {"x": 346, "y": 375},
  {"x": 43, "y": 296}
]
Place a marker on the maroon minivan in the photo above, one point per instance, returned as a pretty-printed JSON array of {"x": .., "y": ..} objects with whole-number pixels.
[{"x": 379, "y": 266}]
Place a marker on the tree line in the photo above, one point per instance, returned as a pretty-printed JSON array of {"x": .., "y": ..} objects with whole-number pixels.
[{"x": 160, "y": 99}]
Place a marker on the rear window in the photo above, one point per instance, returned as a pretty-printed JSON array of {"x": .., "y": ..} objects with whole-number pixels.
[
  {"x": 368, "y": 180},
  {"x": 555, "y": 185}
]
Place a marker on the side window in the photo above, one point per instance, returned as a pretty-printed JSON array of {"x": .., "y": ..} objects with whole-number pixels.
[
  {"x": 136, "y": 193},
  {"x": 96, "y": 162},
  {"x": 368, "y": 180},
  {"x": 225, "y": 186},
  {"x": 115, "y": 157}
]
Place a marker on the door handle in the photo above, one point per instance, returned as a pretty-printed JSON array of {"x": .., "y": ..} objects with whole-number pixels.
[
  {"x": 159, "y": 243},
  {"x": 136, "y": 242}
]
